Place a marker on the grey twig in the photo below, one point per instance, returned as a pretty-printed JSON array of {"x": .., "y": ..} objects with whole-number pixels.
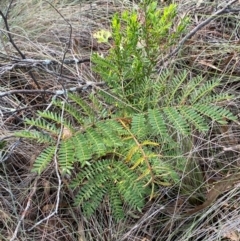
[
  {"x": 25, "y": 210},
  {"x": 57, "y": 173},
  {"x": 195, "y": 30},
  {"x": 33, "y": 63},
  {"x": 9, "y": 33},
  {"x": 84, "y": 86},
  {"x": 70, "y": 36}
]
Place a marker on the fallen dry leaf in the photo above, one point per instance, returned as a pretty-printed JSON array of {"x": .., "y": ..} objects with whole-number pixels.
[
  {"x": 232, "y": 235},
  {"x": 66, "y": 133}
]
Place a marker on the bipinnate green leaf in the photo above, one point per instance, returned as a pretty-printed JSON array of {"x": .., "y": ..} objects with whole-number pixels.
[
  {"x": 44, "y": 159},
  {"x": 66, "y": 156}
]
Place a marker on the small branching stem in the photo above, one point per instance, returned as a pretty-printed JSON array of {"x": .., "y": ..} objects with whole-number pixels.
[
  {"x": 145, "y": 157},
  {"x": 57, "y": 173},
  {"x": 194, "y": 31}
]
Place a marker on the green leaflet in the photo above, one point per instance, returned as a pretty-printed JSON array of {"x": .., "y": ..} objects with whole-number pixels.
[
  {"x": 122, "y": 139},
  {"x": 66, "y": 156},
  {"x": 44, "y": 159}
]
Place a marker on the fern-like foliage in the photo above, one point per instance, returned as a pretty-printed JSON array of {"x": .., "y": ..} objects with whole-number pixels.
[
  {"x": 44, "y": 159},
  {"x": 122, "y": 141},
  {"x": 40, "y": 137},
  {"x": 66, "y": 156},
  {"x": 115, "y": 178},
  {"x": 123, "y": 156}
]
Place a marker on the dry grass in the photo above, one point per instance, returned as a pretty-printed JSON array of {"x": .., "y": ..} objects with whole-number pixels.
[{"x": 64, "y": 30}]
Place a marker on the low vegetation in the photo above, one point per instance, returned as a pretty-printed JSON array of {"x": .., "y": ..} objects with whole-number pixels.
[{"x": 126, "y": 126}]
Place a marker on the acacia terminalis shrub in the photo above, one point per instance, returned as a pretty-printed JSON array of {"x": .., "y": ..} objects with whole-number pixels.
[{"x": 123, "y": 138}]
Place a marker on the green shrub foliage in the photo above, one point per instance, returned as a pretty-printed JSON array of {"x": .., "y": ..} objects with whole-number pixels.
[{"x": 123, "y": 140}]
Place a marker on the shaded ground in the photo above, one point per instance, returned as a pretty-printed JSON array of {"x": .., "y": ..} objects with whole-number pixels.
[{"x": 61, "y": 31}]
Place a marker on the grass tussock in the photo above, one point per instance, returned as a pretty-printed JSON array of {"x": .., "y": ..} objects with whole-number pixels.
[{"x": 204, "y": 205}]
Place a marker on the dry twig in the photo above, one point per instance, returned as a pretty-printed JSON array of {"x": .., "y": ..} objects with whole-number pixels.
[{"x": 194, "y": 31}]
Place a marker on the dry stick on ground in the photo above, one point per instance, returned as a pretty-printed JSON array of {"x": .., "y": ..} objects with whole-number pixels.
[
  {"x": 15, "y": 46},
  {"x": 219, "y": 188},
  {"x": 56, "y": 92},
  {"x": 57, "y": 173},
  {"x": 35, "y": 183},
  {"x": 9, "y": 34},
  {"x": 69, "y": 42},
  {"x": 70, "y": 36},
  {"x": 12, "y": 92},
  {"x": 34, "y": 63},
  {"x": 14, "y": 236},
  {"x": 194, "y": 31}
]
